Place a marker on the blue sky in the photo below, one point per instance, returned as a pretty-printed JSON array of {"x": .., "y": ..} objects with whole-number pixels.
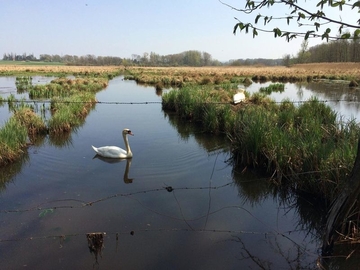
[{"x": 125, "y": 27}]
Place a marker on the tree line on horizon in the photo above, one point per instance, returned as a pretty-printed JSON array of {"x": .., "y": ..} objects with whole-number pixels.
[
  {"x": 187, "y": 58},
  {"x": 333, "y": 51}
]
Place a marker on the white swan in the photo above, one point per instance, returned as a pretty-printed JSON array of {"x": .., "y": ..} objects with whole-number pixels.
[
  {"x": 239, "y": 96},
  {"x": 114, "y": 151}
]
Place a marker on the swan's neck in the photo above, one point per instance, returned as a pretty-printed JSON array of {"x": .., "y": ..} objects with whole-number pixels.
[{"x": 127, "y": 145}]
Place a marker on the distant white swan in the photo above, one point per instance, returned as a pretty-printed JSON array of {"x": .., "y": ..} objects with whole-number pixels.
[
  {"x": 239, "y": 96},
  {"x": 114, "y": 151}
]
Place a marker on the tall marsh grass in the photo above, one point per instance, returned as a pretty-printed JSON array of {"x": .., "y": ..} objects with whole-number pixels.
[
  {"x": 63, "y": 87},
  {"x": 13, "y": 137},
  {"x": 71, "y": 101},
  {"x": 305, "y": 146},
  {"x": 68, "y": 113}
]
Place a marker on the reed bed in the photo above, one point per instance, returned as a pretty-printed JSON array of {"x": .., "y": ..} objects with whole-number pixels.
[
  {"x": 304, "y": 146},
  {"x": 179, "y": 76},
  {"x": 33, "y": 123},
  {"x": 70, "y": 112},
  {"x": 63, "y": 87},
  {"x": 13, "y": 140},
  {"x": 274, "y": 87},
  {"x": 71, "y": 101},
  {"x": 23, "y": 83}
]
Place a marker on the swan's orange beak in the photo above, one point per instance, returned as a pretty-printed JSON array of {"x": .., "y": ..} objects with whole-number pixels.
[{"x": 130, "y": 133}]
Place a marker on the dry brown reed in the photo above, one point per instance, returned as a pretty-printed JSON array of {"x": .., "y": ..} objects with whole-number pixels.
[
  {"x": 58, "y": 69},
  {"x": 214, "y": 74}
]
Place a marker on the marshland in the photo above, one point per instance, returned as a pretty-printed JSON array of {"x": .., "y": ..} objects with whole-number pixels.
[{"x": 246, "y": 185}]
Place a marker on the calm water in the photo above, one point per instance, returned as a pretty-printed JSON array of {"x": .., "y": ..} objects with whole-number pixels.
[{"x": 210, "y": 217}]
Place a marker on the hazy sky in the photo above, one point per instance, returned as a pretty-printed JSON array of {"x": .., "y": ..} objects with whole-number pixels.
[{"x": 125, "y": 27}]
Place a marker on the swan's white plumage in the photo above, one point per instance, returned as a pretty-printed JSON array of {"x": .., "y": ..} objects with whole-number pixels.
[
  {"x": 239, "y": 96},
  {"x": 114, "y": 151}
]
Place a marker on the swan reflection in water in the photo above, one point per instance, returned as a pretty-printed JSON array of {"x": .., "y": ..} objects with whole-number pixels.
[{"x": 127, "y": 180}]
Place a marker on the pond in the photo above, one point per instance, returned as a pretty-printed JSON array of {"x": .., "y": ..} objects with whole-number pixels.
[{"x": 177, "y": 204}]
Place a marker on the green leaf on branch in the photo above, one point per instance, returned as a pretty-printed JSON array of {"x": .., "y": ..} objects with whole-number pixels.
[
  {"x": 239, "y": 25},
  {"x": 322, "y": 3},
  {"x": 255, "y": 33},
  {"x": 308, "y": 33},
  {"x": 277, "y": 32},
  {"x": 345, "y": 36},
  {"x": 250, "y": 4},
  {"x": 288, "y": 19},
  {"x": 317, "y": 26},
  {"x": 326, "y": 34},
  {"x": 257, "y": 18},
  {"x": 356, "y": 4},
  {"x": 301, "y": 16}
]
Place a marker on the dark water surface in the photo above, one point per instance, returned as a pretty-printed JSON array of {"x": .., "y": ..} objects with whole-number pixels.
[{"x": 209, "y": 217}]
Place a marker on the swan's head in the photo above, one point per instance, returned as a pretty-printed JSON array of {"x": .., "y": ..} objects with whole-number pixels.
[{"x": 127, "y": 131}]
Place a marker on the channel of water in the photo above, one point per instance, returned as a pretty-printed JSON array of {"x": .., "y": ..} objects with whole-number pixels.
[{"x": 177, "y": 204}]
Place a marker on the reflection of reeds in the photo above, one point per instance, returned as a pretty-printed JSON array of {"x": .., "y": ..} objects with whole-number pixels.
[{"x": 9, "y": 171}]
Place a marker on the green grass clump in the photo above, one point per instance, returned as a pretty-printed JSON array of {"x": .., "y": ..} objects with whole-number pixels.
[
  {"x": 201, "y": 103},
  {"x": 33, "y": 122},
  {"x": 274, "y": 87},
  {"x": 70, "y": 112},
  {"x": 23, "y": 83},
  {"x": 63, "y": 87},
  {"x": 13, "y": 136}
]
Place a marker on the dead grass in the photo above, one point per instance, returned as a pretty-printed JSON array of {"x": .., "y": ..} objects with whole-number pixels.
[
  {"x": 179, "y": 76},
  {"x": 213, "y": 74},
  {"x": 58, "y": 69},
  {"x": 216, "y": 75}
]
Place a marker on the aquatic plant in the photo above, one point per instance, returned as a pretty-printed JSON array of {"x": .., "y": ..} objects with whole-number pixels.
[
  {"x": 28, "y": 118},
  {"x": 283, "y": 139},
  {"x": 70, "y": 112},
  {"x": 63, "y": 87},
  {"x": 13, "y": 136},
  {"x": 274, "y": 87},
  {"x": 288, "y": 141},
  {"x": 23, "y": 83}
]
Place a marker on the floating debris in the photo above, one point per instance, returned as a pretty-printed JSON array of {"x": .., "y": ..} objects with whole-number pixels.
[{"x": 96, "y": 243}]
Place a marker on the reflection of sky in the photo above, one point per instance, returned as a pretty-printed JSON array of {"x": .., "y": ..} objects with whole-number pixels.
[{"x": 339, "y": 97}]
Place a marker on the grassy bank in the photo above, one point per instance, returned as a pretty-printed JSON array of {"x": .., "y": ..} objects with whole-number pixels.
[
  {"x": 70, "y": 102},
  {"x": 303, "y": 146}
]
